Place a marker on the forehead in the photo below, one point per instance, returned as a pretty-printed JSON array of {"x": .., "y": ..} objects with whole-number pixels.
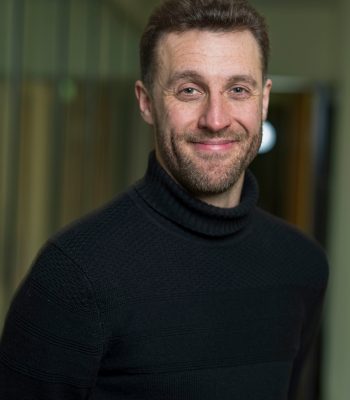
[{"x": 210, "y": 53}]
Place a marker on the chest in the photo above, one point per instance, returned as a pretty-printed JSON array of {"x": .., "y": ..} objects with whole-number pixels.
[{"x": 180, "y": 331}]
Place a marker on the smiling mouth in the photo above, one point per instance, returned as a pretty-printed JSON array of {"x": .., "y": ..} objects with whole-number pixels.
[{"x": 214, "y": 144}]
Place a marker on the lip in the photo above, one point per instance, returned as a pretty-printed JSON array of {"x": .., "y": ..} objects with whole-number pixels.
[{"x": 214, "y": 144}]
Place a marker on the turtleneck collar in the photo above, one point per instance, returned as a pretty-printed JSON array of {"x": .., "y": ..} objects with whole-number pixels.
[{"x": 169, "y": 199}]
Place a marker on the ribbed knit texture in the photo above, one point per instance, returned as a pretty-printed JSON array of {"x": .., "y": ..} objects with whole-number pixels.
[{"x": 161, "y": 296}]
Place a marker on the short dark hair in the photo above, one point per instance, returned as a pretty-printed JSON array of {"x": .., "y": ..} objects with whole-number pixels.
[{"x": 213, "y": 15}]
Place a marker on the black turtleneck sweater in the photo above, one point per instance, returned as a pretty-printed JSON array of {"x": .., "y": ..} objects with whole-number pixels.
[{"x": 161, "y": 296}]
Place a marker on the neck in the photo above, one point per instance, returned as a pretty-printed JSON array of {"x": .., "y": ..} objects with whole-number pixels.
[{"x": 162, "y": 194}]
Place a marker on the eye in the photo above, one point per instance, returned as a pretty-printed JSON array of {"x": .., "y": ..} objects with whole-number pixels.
[
  {"x": 240, "y": 92},
  {"x": 188, "y": 93},
  {"x": 189, "y": 90}
]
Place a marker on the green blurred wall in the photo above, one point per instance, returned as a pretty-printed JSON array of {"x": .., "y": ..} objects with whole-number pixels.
[{"x": 118, "y": 38}]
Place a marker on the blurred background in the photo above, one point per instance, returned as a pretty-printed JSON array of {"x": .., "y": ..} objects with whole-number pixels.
[{"x": 71, "y": 136}]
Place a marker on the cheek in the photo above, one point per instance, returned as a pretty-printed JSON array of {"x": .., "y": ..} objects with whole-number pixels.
[
  {"x": 248, "y": 115},
  {"x": 180, "y": 118}
]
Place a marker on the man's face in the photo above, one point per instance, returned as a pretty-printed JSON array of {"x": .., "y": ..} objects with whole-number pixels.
[{"x": 207, "y": 105}]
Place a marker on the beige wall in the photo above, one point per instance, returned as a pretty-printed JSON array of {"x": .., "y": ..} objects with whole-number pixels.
[{"x": 303, "y": 39}]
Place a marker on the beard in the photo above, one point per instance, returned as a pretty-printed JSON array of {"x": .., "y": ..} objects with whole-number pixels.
[{"x": 206, "y": 173}]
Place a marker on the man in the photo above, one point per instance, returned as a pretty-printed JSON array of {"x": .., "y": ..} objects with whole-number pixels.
[{"x": 181, "y": 288}]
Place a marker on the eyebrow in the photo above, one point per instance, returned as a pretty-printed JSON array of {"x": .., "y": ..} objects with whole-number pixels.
[
  {"x": 182, "y": 75},
  {"x": 245, "y": 79},
  {"x": 195, "y": 76}
]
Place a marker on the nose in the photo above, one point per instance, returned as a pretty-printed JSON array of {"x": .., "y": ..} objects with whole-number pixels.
[{"x": 215, "y": 115}]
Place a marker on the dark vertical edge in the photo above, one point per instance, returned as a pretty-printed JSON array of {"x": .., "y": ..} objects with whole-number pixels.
[
  {"x": 321, "y": 159},
  {"x": 323, "y": 124}
]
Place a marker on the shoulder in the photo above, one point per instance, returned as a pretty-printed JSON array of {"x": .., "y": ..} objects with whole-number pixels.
[
  {"x": 295, "y": 250},
  {"x": 99, "y": 224},
  {"x": 96, "y": 233},
  {"x": 68, "y": 266}
]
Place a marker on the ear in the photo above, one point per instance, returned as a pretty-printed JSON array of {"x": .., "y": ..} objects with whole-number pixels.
[
  {"x": 145, "y": 102},
  {"x": 266, "y": 98}
]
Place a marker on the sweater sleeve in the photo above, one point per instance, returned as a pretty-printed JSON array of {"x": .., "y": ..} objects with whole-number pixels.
[
  {"x": 309, "y": 334},
  {"x": 51, "y": 344}
]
